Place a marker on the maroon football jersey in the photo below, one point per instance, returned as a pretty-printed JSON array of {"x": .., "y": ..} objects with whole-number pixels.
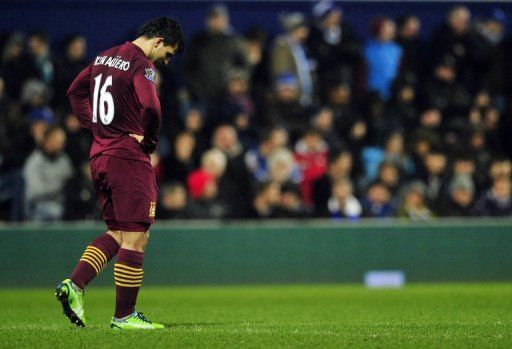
[{"x": 115, "y": 96}]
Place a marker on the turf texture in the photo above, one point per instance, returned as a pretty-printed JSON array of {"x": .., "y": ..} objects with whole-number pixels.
[{"x": 291, "y": 316}]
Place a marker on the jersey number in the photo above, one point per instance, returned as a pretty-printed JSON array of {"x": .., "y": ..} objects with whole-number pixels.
[{"x": 105, "y": 103}]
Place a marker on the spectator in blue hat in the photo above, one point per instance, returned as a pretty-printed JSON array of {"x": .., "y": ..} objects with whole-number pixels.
[
  {"x": 289, "y": 55},
  {"x": 285, "y": 108},
  {"x": 40, "y": 119}
]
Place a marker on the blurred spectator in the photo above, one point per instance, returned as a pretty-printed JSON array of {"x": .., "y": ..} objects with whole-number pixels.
[
  {"x": 173, "y": 202},
  {"x": 211, "y": 54},
  {"x": 256, "y": 160},
  {"x": 389, "y": 175},
  {"x": 382, "y": 57},
  {"x": 377, "y": 201},
  {"x": 323, "y": 122},
  {"x": 292, "y": 205},
  {"x": 497, "y": 201},
  {"x": 413, "y": 56},
  {"x": 39, "y": 48},
  {"x": 481, "y": 154},
  {"x": 194, "y": 123},
  {"x": 500, "y": 167},
  {"x": 394, "y": 151},
  {"x": 34, "y": 94},
  {"x": 348, "y": 123},
  {"x": 342, "y": 203},
  {"x": 454, "y": 38},
  {"x": 181, "y": 160},
  {"x": 492, "y": 69},
  {"x": 339, "y": 167},
  {"x": 434, "y": 176},
  {"x": 334, "y": 45},
  {"x": 444, "y": 92},
  {"x": 284, "y": 109},
  {"x": 289, "y": 56},
  {"x": 311, "y": 157},
  {"x": 16, "y": 66},
  {"x": 46, "y": 173},
  {"x": 282, "y": 167},
  {"x": 203, "y": 186},
  {"x": 461, "y": 198},
  {"x": 238, "y": 108},
  {"x": 69, "y": 66},
  {"x": 414, "y": 206},
  {"x": 235, "y": 180},
  {"x": 266, "y": 201},
  {"x": 402, "y": 111},
  {"x": 464, "y": 165}
]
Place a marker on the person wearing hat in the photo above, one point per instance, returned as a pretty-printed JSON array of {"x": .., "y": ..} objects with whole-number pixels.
[
  {"x": 212, "y": 54},
  {"x": 460, "y": 201},
  {"x": 289, "y": 55},
  {"x": 333, "y": 44},
  {"x": 414, "y": 205},
  {"x": 493, "y": 49}
]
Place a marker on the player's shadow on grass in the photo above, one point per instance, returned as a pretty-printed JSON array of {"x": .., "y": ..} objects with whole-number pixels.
[{"x": 200, "y": 324}]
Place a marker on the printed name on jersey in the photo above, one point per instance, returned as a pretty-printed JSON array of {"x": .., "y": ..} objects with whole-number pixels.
[
  {"x": 150, "y": 74},
  {"x": 112, "y": 62}
]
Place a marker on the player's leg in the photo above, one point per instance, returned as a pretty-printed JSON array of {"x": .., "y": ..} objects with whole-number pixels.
[
  {"x": 128, "y": 274},
  {"x": 70, "y": 292},
  {"x": 134, "y": 202},
  {"x": 95, "y": 257}
]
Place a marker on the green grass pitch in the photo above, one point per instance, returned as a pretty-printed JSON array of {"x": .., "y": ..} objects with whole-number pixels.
[{"x": 317, "y": 316}]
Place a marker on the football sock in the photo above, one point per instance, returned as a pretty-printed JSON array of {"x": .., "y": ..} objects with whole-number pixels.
[
  {"x": 94, "y": 259},
  {"x": 128, "y": 275}
]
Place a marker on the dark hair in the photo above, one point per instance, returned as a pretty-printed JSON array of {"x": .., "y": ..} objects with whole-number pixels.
[{"x": 166, "y": 28}]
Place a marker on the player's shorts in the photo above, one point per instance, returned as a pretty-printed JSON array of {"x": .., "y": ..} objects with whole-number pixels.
[{"x": 127, "y": 192}]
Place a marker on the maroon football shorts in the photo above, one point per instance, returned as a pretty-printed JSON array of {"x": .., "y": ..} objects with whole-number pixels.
[{"x": 127, "y": 192}]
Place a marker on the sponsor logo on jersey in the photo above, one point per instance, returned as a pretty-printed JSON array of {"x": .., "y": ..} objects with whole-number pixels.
[{"x": 150, "y": 74}]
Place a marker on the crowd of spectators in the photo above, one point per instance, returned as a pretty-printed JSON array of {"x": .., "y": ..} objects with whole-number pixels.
[{"x": 314, "y": 122}]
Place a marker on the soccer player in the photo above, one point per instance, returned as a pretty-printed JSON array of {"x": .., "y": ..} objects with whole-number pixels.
[{"x": 115, "y": 98}]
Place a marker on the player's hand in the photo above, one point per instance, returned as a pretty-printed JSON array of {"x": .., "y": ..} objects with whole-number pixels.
[{"x": 139, "y": 138}]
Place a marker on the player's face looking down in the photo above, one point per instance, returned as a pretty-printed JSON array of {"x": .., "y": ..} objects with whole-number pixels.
[{"x": 160, "y": 52}]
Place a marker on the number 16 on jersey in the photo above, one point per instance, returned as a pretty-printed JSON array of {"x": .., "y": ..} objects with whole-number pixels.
[{"x": 105, "y": 103}]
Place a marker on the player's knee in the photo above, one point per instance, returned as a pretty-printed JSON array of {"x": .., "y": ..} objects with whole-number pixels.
[
  {"x": 116, "y": 234},
  {"x": 136, "y": 241}
]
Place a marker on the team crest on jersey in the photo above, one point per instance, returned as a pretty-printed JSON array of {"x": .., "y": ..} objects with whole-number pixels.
[
  {"x": 150, "y": 74},
  {"x": 152, "y": 209}
]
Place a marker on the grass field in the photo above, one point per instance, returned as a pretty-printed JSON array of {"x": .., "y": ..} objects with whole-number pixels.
[{"x": 323, "y": 316}]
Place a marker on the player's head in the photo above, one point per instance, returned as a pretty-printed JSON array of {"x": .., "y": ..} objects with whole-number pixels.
[{"x": 166, "y": 39}]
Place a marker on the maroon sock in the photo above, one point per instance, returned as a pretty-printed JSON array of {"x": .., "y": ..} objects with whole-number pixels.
[
  {"x": 94, "y": 259},
  {"x": 128, "y": 277}
]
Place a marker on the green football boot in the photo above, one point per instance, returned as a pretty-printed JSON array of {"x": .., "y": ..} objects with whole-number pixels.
[
  {"x": 72, "y": 301},
  {"x": 136, "y": 321}
]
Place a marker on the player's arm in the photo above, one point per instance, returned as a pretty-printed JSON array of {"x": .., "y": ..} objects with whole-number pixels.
[
  {"x": 150, "y": 105},
  {"x": 78, "y": 94}
]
